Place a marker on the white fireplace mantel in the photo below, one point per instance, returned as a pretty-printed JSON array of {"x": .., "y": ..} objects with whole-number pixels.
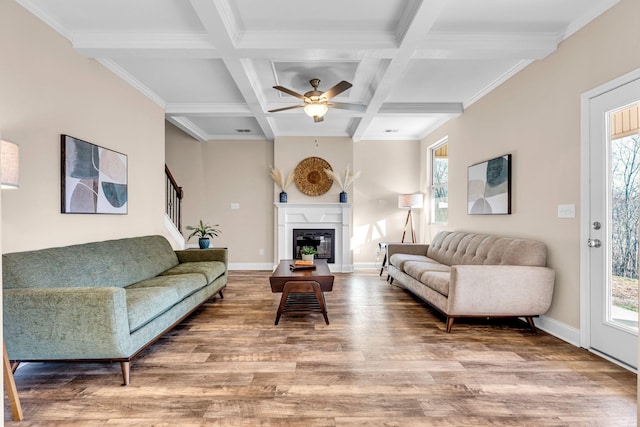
[{"x": 336, "y": 216}]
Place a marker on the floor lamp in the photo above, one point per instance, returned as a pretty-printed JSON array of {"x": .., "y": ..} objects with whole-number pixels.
[
  {"x": 411, "y": 201},
  {"x": 9, "y": 153}
]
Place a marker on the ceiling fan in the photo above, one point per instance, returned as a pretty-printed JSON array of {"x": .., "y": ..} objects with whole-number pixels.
[{"x": 316, "y": 103}]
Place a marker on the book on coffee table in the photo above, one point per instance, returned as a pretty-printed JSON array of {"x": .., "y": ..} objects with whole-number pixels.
[{"x": 302, "y": 265}]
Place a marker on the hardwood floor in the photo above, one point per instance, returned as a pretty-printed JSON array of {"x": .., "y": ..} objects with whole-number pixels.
[{"x": 385, "y": 360}]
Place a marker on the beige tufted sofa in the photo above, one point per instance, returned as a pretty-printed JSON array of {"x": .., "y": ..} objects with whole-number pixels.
[{"x": 475, "y": 275}]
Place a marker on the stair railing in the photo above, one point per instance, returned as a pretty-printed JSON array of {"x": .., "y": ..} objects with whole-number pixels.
[{"x": 174, "y": 196}]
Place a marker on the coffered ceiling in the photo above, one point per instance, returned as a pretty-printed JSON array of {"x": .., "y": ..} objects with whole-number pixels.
[{"x": 414, "y": 64}]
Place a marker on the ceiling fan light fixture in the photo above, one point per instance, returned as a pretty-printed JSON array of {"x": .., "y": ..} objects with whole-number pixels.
[{"x": 316, "y": 109}]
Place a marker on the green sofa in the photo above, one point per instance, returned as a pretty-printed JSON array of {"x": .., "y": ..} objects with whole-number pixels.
[{"x": 103, "y": 301}]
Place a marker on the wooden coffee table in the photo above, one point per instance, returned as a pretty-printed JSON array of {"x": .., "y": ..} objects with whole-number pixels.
[{"x": 302, "y": 290}]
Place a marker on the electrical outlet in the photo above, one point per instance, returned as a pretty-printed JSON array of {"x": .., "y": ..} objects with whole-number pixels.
[
  {"x": 260, "y": 251},
  {"x": 235, "y": 205}
]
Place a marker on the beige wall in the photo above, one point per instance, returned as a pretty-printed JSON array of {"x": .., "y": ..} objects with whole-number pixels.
[
  {"x": 46, "y": 90},
  {"x": 289, "y": 151},
  {"x": 238, "y": 172},
  {"x": 388, "y": 168},
  {"x": 535, "y": 116},
  {"x": 184, "y": 157},
  {"x": 217, "y": 174}
]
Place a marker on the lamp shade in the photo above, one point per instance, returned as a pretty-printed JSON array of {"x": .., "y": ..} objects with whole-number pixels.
[
  {"x": 9, "y": 164},
  {"x": 410, "y": 201}
]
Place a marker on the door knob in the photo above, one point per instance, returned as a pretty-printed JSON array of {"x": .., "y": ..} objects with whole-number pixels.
[{"x": 594, "y": 243}]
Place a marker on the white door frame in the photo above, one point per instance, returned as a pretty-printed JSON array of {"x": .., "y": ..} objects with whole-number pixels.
[{"x": 585, "y": 227}]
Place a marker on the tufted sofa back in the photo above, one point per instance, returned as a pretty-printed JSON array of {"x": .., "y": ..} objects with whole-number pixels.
[{"x": 456, "y": 248}]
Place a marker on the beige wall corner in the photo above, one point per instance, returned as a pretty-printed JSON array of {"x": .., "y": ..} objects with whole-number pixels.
[
  {"x": 48, "y": 90},
  {"x": 535, "y": 116}
]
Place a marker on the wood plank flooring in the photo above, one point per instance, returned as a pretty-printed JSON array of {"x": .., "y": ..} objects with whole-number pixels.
[{"x": 385, "y": 360}]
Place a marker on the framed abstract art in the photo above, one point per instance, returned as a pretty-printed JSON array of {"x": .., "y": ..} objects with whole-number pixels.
[
  {"x": 489, "y": 187},
  {"x": 94, "y": 178}
]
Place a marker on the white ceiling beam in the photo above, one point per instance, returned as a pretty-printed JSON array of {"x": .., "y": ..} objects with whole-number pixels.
[
  {"x": 159, "y": 45},
  {"x": 199, "y": 45},
  {"x": 417, "y": 25},
  {"x": 487, "y": 46},
  {"x": 188, "y": 127},
  {"x": 209, "y": 110},
  {"x": 218, "y": 21},
  {"x": 421, "y": 108}
]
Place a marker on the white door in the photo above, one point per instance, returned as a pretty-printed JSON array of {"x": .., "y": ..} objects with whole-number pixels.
[{"x": 612, "y": 240}]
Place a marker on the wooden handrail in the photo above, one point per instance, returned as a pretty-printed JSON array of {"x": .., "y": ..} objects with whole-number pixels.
[
  {"x": 174, "y": 195},
  {"x": 173, "y": 182}
]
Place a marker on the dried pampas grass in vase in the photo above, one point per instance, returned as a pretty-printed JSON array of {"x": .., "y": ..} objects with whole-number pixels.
[
  {"x": 278, "y": 178},
  {"x": 344, "y": 182}
]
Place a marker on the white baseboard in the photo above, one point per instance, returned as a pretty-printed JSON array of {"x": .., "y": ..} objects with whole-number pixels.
[
  {"x": 250, "y": 266},
  {"x": 558, "y": 329},
  {"x": 366, "y": 265}
]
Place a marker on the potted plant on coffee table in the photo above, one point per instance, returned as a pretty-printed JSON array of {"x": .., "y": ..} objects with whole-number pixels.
[
  {"x": 308, "y": 252},
  {"x": 203, "y": 231}
]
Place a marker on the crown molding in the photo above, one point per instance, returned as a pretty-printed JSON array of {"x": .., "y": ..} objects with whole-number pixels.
[
  {"x": 124, "y": 75},
  {"x": 44, "y": 17},
  {"x": 188, "y": 127}
]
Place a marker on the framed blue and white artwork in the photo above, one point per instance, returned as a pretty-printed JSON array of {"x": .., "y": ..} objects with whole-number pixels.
[
  {"x": 94, "y": 178},
  {"x": 489, "y": 187}
]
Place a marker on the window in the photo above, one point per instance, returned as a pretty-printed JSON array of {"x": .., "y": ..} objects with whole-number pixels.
[{"x": 439, "y": 183}]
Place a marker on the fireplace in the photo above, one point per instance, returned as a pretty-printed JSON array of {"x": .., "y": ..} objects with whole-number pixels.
[
  {"x": 322, "y": 240},
  {"x": 319, "y": 216}
]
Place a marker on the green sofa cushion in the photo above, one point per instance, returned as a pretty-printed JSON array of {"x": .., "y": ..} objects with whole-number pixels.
[
  {"x": 116, "y": 263},
  {"x": 184, "y": 284},
  {"x": 210, "y": 269},
  {"x": 145, "y": 304}
]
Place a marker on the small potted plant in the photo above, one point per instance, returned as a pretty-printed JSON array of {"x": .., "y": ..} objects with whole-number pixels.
[
  {"x": 203, "y": 231},
  {"x": 308, "y": 252}
]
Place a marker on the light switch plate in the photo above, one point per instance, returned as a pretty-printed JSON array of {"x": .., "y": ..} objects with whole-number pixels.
[
  {"x": 567, "y": 211},
  {"x": 235, "y": 205}
]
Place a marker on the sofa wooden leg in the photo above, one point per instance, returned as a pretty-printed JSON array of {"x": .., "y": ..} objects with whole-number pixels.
[
  {"x": 450, "y": 321},
  {"x": 125, "y": 372},
  {"x": 531, "y": 324},
  {"x": 390, "y": 280},
  {"x": 220, "y": 292}
]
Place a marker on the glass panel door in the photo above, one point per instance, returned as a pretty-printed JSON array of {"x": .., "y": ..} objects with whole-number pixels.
[
  {"x": 614, "y": 161},
  {"x": 622, "y": 289}
]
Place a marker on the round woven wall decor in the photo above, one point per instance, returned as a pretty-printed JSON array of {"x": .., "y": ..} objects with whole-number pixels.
[{"x": 310, "y": 177}]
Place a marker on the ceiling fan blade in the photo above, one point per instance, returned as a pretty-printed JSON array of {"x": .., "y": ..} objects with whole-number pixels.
[
  {"x": 289, "y": 92},
  {"x": 337, "y": 89},
  {"x": 286, "y": 108},
  {"x": 353, "y": 107}
]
